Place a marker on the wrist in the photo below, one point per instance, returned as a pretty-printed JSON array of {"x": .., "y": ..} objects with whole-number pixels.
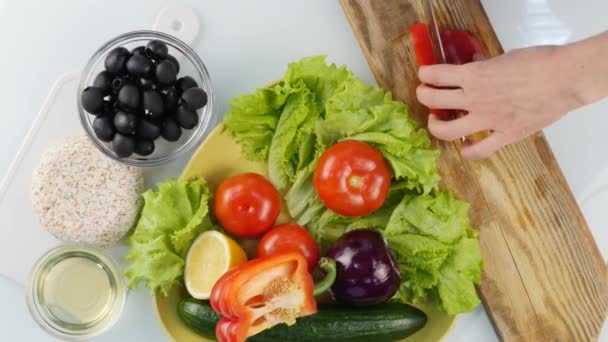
[{"x": 585, "y": 69}]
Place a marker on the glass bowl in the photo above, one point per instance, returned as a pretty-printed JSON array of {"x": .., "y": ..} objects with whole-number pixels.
[
  {"x": 75, "y": 292},
  {"x": 190, "y": 65}
]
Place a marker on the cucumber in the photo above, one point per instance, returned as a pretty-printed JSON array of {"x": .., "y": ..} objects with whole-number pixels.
[
  {"x": 386, "y": 322},
  {"x": 198, "y": 315}
]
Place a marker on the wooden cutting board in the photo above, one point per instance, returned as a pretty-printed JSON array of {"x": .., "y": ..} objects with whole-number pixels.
[{"x": 544, "y": 277}]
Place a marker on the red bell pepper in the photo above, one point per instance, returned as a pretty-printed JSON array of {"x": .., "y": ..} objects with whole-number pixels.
[
  {"x": 460, "y": 47},
  {"x": 265, "y": 292},
  {"x": 423, "y": 47},
  {"x": 425, "y": 55}
]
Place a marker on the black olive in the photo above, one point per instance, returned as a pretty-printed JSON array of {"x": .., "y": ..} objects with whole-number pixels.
[
  {"x": 144, "y": 147},
  {"x": 140, "y": 50},
  {"x": 170, "y": 130},
  {"x": 128, "y": 96},
  {"x": 153, "y": 103},
  {"x": 118, "y": 82},
  {"x": 104, "y": 128},
  {"x": 166, "y": 72},
  {"x": 116, "y": 60},
  {"x": 171, "y": 99},
  {"x": 194, "y": 98},
  {"x": 186, "y": 118},
  {"x": 139, "y": 65},
  {"x": 116, "y": 107},
  {"x": 147, "y": 83},
  {"x": 92, "y": 99},
  {"x": 125, "y": 122},
  {"x": 123, "y": 145},
  {"x": 185, "y": 83},
  {"x": 103, "y": 81},
  {"x": 108, "y": 107},
  {"x": 147, "y": 129},
  {"x": 173, "y": 60},
  {"x": 156, "y": 49}
]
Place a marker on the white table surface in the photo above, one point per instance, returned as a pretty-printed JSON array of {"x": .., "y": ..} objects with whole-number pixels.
[{"x": 245, "y": 44}]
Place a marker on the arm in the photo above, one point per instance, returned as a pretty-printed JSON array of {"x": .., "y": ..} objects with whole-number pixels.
[{"x": 516, "y": 94}]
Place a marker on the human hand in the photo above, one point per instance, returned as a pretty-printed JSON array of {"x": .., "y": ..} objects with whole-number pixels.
[{"x": 513, "y": 96}]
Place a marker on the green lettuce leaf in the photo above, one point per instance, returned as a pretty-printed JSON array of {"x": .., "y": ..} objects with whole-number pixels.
[
  {"x": 253, "y": 118},
  {"x": 458, "y": 275},
  {"x": 321, "y": 79},
  {"x": 437, "y": 251},
  {"x": 441, "y": 217},
  {"x": 328, "y": 226},
  {"x": 172, "y": 217},
  {"x": 290, "y": 148},
  {"x": 154, "y": 263}
]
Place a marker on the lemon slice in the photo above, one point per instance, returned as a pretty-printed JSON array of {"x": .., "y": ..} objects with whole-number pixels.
[{"x": 211, "y": 255}]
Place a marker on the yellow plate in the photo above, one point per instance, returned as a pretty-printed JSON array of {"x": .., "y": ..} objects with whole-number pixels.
[{"x": 219, "y": 157}]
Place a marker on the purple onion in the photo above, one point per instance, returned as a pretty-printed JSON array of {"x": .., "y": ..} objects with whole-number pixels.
[{"x": 367, "y": 271}]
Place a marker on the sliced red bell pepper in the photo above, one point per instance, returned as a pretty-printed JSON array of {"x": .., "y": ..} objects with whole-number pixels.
[
  {"x": 423, "y": 47},
  {"x": 265, "y": 292}
]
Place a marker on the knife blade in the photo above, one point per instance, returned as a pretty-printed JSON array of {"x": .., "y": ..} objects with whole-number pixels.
[
  {"x": 439, "y": 49},
  {"x": 434, "y": 33}
]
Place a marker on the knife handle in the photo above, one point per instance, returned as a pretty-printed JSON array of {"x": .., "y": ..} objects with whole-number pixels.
[{"x": 475, "y": 137}]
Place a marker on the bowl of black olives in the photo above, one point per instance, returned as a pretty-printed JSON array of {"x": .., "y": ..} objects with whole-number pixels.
[{"x": 145, "y": 97}]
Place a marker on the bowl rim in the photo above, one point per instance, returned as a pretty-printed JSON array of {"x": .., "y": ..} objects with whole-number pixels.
[{"x": 208, "y": 119}]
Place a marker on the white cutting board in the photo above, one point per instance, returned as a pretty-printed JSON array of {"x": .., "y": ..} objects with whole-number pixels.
[{"x": 24, "y": 239}]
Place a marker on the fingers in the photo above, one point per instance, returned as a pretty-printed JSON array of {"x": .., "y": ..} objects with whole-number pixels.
[
  {"x": 454, "y": 129},
  {"x": 485, "y": 147},
  {"x": 441, "y": 98},
  {"x": 478, "y": 57},
  {"x": 445, "y": 75}
]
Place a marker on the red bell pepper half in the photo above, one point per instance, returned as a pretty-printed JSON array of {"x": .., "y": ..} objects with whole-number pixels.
[
  {"x": 460, "y": 47},
  {"x": 264, "y": 292},
  {"x": 425, "y": 55}
]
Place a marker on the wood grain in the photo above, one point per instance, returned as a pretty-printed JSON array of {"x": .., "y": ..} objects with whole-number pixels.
[{"x": 544, "y": 277}]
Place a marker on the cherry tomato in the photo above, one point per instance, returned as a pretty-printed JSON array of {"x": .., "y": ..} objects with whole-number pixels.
[
  {"x": 247, "y": 205},
  {"x": 352, "y": 178},
  {"x": 290, "y": 237}
]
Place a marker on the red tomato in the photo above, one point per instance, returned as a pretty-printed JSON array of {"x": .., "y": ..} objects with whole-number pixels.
[
  {"x": 247, "y": 205},
  {"x": 290, "y": 237},
  {"x": 352, "y": 178}
]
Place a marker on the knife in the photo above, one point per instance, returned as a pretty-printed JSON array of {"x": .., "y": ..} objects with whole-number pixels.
[
  {"x": 440, "y": 56},
  {"x": 434, "y": 33},
  {"x": 438, "y": 46}
]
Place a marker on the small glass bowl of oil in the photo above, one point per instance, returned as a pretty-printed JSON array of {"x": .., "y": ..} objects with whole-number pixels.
[{"x": 75, "y": 292}]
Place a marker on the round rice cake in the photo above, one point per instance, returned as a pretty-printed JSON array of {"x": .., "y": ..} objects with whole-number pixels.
[{"x": 82, "y": 196}]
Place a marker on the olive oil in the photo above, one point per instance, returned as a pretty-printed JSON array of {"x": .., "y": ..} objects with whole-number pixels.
[{"x": 75, "y": 292}]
